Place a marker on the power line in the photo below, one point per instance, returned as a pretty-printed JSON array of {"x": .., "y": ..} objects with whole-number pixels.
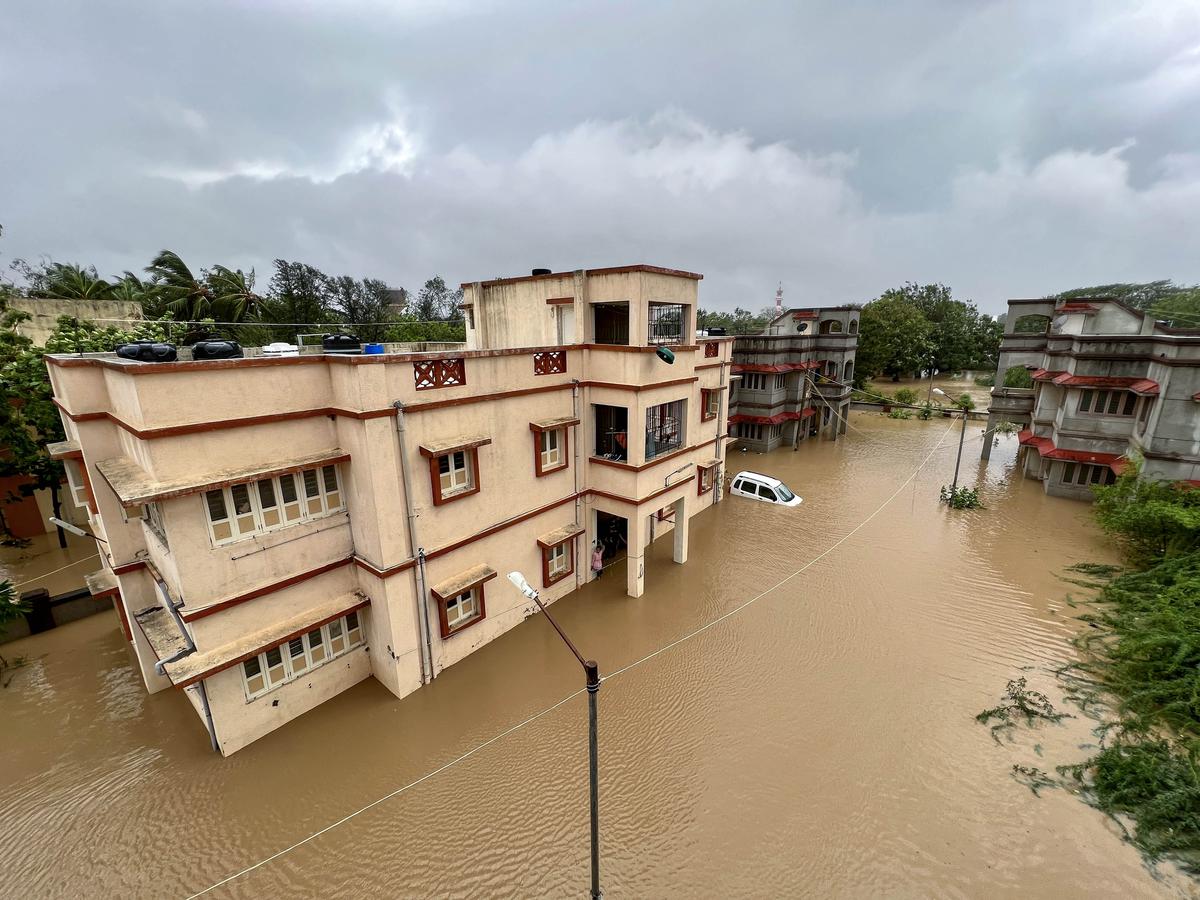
[
  {"x": 55, "y": 571},
  {"x": 245, "y": 323},
  {"x": 675, "y": 643}
]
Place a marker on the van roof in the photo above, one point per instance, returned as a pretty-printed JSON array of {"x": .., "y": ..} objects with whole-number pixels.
[{"x": 765, "y": 479}]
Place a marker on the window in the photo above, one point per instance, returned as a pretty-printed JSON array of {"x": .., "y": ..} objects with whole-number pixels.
[
  {"x": 255, "y": 507},
  {"x": 776, "y": 431},
  {"x": 666, "y": 321},
  {"x": 754, "y": 381},
  {"x": 711, "y": 349},
  {"x": 666, "y": 514},
  {"x": 77, "y": 481},
  {"x": 780, "y": 381},
  {"x": 831, "y": 326},
  {"x": 558, "y": 561},
  {"x": 454, "y": 475},
  {"x": 854, "y": 326},
  {"x": 706, "y": 480},
  {"x": 284, "y": 662},
  {"x": 462, "y": 609},
  {"x": 750, "y": 431},
  {"x": 1082, "y": 474},
  {"x": 664, "y": 428},
  {"x": 152, "y": 516},
  {"x": 766, "y": 493},
  {"x": 710, "y": 404},
  {"x": 549, "y": 449},
  {"x": 1144, "y": 413},
  {"x": 1107, "y": 403}
]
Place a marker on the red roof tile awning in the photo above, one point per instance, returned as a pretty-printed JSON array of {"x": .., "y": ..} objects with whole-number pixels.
[
  {"x": 1045, "y": 374},
  {"x": 1144, "y": 386},
  {"x": 777, "y": 419},
  {"x": 806, "y": 314},
  {"x": 1046, "y": 449},
  {"x": 1077, "y": 308},
  {"x": 777, "y": 369},
  {"x": 808, "y": 411}
]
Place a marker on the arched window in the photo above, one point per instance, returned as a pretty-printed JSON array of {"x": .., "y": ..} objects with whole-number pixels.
[
  {"x": 854, "y": 326},
  {"x": 831, "y": 326},
  {"x": 1032, "y": 324},
  {"x": 848, "y": 372}
]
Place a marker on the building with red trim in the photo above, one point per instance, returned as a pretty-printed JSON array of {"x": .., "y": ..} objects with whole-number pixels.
[
  {"x": 792, "y": 382},
  {"x": 279, "y": 529},
  {"x": 1108, "y": 382}
]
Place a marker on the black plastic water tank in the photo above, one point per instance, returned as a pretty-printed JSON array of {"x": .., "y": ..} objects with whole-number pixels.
[
  {"x": 341, "y": 343},
  {"x": 148, "y": 351},
  {"x": 217, "y": 349},
  {"x": 716, "y": 332},
  {"x": 541, "y": 272}
]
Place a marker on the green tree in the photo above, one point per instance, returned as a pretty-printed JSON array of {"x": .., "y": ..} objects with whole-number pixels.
[
  {"x": 177, "y": 290},
  {"x": 894, "y": 338},
  {"x": 1140, "y": 296},
  {"x": 1017, "y": 377},
  {"x": 1155, "y": 520},
  {"x": 437, "y": 302},
  {"x": 740, "y": 321},
  {"x": 232, "y": 294}
]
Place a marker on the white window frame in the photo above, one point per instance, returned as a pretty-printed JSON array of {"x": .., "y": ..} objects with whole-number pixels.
[
  {"x": 754, "y": 381},
  {"x": 558, "y": 560},
  {"x": 460, "y": 478},
  {"x": 75, "y": 482},
  {"x": 462, "y": 621},
  {"x": 289, "y": 668},
  {"x": 315, "y": 494},
  {"x": 550, "y": 446},
  {"x": 152, "y": 516}
]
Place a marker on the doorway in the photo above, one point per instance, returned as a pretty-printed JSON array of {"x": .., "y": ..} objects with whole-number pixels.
[{"x": 612, "y": 532}]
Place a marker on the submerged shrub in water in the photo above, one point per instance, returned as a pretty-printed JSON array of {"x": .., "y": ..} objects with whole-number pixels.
[{"x": 961, "y": 498}]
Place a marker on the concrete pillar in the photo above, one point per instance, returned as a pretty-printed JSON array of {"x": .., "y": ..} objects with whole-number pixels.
[
  {"x": 635, "y": 565},
  {"x": 988, "y": 439},
  {"x": 844, "y": 417},
  {"x": 681, "y": 530}
]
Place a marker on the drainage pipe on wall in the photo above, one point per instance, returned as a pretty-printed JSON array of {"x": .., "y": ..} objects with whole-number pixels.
[
  {"x": 418, "y": 553},
  {"x": 160, "y": 666},
  {"x": 579, "y": 569},
  {"x": 722, "y": 406}
]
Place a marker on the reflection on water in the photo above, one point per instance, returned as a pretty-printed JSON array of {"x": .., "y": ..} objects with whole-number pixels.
[{"x": 820, "y": 743}]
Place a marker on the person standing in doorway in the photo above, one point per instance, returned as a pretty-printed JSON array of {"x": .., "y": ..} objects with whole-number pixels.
[{"x": 597, "y": 560}]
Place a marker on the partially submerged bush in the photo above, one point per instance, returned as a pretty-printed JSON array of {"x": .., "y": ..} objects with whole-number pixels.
[
  {"x": 961, "y": 498},
  {"x": 907, "y": 396}
]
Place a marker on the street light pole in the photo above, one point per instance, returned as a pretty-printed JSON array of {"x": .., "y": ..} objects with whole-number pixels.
[{"x": 592, "y": 672}]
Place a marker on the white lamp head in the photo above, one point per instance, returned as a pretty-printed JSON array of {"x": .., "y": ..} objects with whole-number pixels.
[
  {"x": 521, "y": 584},
  {"x": 940, "y": 391},
  {"x": 67, "y": 526}
]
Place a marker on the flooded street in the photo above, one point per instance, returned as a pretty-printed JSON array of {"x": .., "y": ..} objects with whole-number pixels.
[{"x": 820, "y": 742}]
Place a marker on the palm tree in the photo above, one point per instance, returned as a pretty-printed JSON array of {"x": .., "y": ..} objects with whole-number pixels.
[
  {"x": 182, "y": 294},
  {"x": 71, "y": 281},
  {"x": 232, "y": 292}
]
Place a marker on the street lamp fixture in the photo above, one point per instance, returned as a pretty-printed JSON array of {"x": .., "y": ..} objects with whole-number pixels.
[
  {"x": 74, "y": 529},
  {"x": 592, "y": 672}
]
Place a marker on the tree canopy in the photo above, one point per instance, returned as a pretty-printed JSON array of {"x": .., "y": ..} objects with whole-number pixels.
[{"x": 918, "y": 326}]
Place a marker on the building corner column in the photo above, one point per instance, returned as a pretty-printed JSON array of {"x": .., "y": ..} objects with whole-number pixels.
[{"x": 681, "y": 531}]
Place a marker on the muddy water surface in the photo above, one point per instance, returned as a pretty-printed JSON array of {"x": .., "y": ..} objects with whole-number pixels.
[{"x": 818, "y": 743}]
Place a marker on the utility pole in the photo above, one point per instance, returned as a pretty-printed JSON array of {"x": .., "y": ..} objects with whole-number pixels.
[
  {"x": 592, "y": 672},
  {"x": 958, "y": 462}
]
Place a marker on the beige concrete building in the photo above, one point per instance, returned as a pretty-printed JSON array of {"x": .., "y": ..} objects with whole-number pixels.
[
  {"x": 1106, "y": 382},
  {"x": 279, "y": 529}
]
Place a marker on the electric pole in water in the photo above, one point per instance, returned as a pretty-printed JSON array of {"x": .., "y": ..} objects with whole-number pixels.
[{"x": 958, "y": 462}]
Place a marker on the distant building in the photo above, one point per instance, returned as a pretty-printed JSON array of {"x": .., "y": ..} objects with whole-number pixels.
[
  {"x": 792, "y": 381},
  {"x": 279, "y": 529},
  {"x": 1107, "y": 381}
]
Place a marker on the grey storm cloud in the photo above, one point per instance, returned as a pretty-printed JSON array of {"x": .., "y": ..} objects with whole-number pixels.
[{"x": 1005, "y": 148}]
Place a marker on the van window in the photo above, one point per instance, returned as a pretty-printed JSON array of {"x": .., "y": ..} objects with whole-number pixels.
[
  {"x": 738, "y": 485},
  {"x": 766, "y": 493},
  {"x": 784, "y": 494}
]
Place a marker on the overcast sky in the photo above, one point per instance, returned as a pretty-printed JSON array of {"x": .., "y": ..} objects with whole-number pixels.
[{"x": 1006, "y": 149}]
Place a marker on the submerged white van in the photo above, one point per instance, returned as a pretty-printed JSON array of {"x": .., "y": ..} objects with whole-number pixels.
[{"x": 763, "y": 487}]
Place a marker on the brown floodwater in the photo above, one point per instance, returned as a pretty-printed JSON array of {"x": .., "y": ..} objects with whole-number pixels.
[{"x": 820, "y": 742}]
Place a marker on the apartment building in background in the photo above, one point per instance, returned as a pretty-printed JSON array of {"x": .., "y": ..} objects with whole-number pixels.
[
  {"x": 279, "y": 529},
  {"x": 793, "y": 380},
  {"x": 1108, "y": 381}
]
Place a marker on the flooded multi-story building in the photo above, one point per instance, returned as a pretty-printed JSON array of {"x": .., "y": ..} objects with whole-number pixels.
[
  {"x": 794, "y": 378},
  {"x": 1093, "y": 381},
  {"x": 278, "y": 529}
]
